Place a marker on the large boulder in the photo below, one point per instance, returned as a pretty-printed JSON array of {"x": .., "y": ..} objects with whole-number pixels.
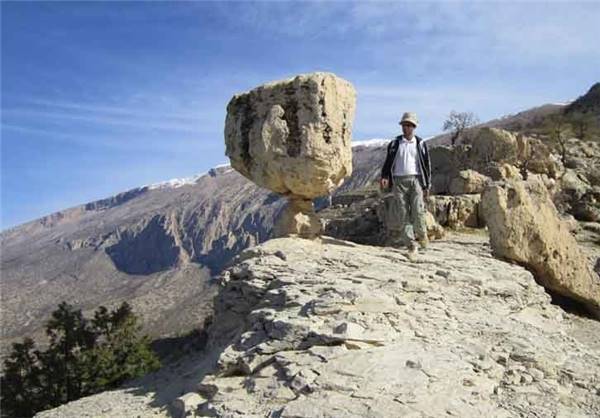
[
  {"x": 468, "y": 182},
  {"x": 578, "y": 197},
  {"x": 492, "y": 152},
  {"x": 588, "y": 207},
  {"x": 503, "y": 171},
  {"x": 456, "y": 212},
  {"x": 294, "y": 137},
  {"x": 446, "y": 162},
  {"x": 537, "y": 157},
  {"x": 492, "y": 144},
  {"x": 525, "y": 227}
]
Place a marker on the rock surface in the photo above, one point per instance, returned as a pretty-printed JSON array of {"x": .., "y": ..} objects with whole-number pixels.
[
  {"x": 525, "y": 227},
  {"x": 329, "y": 328}
]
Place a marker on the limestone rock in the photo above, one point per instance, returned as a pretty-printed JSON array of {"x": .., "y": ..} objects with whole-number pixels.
[
  {"x": 578, "y": 196},
  {"x": 434, "y": 229},
  {"x": 456, "y": 212},
  {"x": 468, "y": 182},
  {"x": 489, "y": 149},
  {"x": 455, "y": 337},
  {"x": 330, "y": 328},
  {"x": 535, "y": 156},
  {"x": 495, "y": 153},
  {"x": 298, "y": 218},
  {"x": 294, "y": 137},
  {"x": 574, "y": 184},
  {"x": 445, "y": 164},
  {"x": 186, "y": 405},
  {"x": 525, "y": 227},
  {"x": 571, "y": 223},
  {"x": 492, "y": 144},
  {"x": 503, "y": 172}
]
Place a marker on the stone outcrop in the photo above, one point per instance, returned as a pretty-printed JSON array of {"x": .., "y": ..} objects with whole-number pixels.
[
  {"x": 456, "y": 212},
  {"x": 579, "y": 192},
  {"x": 468, "y": 182},
  {"x": 329, "y": 328},
  {"x": 492, "y": 144},
  {"x": 294, "y": 137},
  {"x": 503, "y": 172},
  {"x": 537, "y": 157},
  {"x": 524, "y": 226},
  {"x": 494, "y": 153}
]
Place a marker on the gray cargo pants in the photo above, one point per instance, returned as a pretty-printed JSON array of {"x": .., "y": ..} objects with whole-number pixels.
[{"x": 408, "y": 206}]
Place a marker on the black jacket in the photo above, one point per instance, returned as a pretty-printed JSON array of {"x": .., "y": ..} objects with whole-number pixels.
[{"x": 424, "y": 162}]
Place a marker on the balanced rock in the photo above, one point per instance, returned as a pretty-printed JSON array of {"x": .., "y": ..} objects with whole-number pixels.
[
  {"x": 525, "y": 227},
  {"x": 294, "y": 137}
]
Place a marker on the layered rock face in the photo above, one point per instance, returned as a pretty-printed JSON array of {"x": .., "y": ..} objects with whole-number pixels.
[
  {"x": 294, "y": 137},
  {"x": 525, "y": 227},
  {"x": 342, "y": 330},
  {"x": 329, "y": 328}
]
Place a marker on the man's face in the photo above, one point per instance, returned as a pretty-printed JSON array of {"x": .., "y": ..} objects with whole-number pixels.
[{"x": 408, "y": 129}]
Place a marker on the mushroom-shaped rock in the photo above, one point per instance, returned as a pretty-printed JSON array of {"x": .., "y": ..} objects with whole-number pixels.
[{"x": 294, "y": 137}]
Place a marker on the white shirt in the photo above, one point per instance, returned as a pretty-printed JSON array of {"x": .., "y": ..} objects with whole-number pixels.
[{"x": 406, "y": 162}]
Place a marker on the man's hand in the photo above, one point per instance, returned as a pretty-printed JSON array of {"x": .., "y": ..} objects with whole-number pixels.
[{"x": 383, "y": 183}]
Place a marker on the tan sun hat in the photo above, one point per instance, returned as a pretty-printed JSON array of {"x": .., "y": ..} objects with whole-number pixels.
[{"x": 410, "y": 117}]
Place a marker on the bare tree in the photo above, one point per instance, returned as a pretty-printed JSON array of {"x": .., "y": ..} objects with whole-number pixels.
[
  {"x": 457, "y": 122},
  {"x": 557, "y": 128}
]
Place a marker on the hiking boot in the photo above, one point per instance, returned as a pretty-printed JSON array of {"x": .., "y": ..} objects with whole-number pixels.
[{"x": 423, "y": 243}]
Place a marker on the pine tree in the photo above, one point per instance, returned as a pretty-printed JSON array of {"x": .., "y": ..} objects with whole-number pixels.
[{"x": 84, "y": 357}]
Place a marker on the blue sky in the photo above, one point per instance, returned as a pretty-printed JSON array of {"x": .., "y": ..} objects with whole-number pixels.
[{"x": 101, "y": 97}]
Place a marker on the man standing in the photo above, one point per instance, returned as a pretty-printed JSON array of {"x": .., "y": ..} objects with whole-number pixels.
[{"x": 407, "y": 171}]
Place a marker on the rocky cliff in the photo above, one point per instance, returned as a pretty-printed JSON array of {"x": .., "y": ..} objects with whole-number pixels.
[{"x": 330, "y": 328}]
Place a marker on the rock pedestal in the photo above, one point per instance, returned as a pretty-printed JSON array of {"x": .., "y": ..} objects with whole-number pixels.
[
  {"x": 298, "y": 218},
  {"x": 294, "y": 137}
]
